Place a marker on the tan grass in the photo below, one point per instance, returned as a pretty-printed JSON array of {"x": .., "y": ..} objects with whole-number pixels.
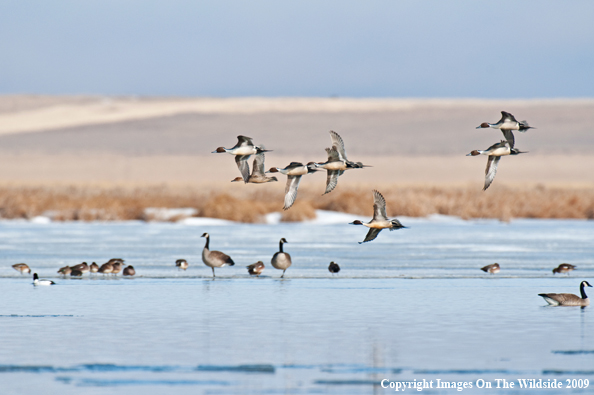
[{"x": 97, "y": 203}]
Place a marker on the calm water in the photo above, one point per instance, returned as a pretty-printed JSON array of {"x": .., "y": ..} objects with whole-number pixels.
[{"x": 411, "y": 305}]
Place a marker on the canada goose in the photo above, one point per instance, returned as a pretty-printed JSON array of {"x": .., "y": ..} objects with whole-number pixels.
[
  {"x": 181, "y": 263},
  {"x": 106, "y": 268},
  {"x": 129, "y": 271},
  {"x": 333, "y": 267},
  {"x": 337, "y": 162},
  {"x": 258, "y": 176},
  {"x": 495, "y": 152},
  {"x": 242, "y": 151},
  {"x": 293, "y": 171},
  {"x": 506, "y": 124},
  {"x": 380, "y": 219},
  {"x": 214, "y": 259},
  {"x": 255, "y": 269},
  {"x": 493, "y": 268},
  {"x": 564, "y": 268},
  {"x": 82, "y": 267},
  {"x": 94, "y": 268},
  {"x": 568, "y": 299},
  {"x": 66, "y": 270},
  {"x": 281, "y": 260},
  {"x": 37, "y": 281},
  {"x": 23, "y": 268}
]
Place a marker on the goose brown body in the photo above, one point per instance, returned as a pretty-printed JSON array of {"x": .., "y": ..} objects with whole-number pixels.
[
  {"x": 214, "y": 259},
  {"x": 281, "y": 260},
  {"x": 568, "y": 299}
]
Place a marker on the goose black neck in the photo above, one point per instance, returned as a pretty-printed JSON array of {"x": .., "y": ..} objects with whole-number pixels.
[
  {"x": 583, "y": 291},
  {"x": 280, "y": 247},
  {"x": 207, "y": 242}
]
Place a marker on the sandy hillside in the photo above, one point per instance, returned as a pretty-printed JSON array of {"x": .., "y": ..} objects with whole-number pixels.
[{"x": 99, "y": 140}]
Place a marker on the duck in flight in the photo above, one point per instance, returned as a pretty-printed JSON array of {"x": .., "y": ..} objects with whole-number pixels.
[
  {"x": 293, "y": 172},
  {"x": 242, "y": 151},
  {"x": 495, "y": 152},
  {"x": 506, "y": 124},
  {"x": 380, "y": 219},
  {"x": 257, "y": 176},
  {"x": 337, "y": 162}
]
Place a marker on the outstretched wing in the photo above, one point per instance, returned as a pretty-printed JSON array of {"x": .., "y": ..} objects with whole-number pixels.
[
  {"x": 242, "y": 165},
  {"x": 491, "y": 170},
  {"x": 371, "y": 235},
  {"x": 379, "y": 206},
  {"x": 291, "y": 191},
  {"x": 509, "y": 136},
  {"x": 258, "y": 165},
  {"x": 338, "y": 145},
  {"x": 243, "y": 140},
  {"x": 333, "y": 155},
  {"x": 506, "y": 116},
  {"x": 332, "y": 180}
]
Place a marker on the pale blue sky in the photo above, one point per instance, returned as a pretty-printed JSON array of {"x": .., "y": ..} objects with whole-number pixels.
[{"x": 389, "y": 48}]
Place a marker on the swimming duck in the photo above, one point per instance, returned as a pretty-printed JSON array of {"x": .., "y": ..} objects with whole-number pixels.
[
  {"x": 181, "y": 263},
  {"x": 281, "y": 260},
  {"x": 255, "y": 269},
  {"x": 129, "y": 271},
  {"x": 495, "y": 152},
  {"x": 568, "y": 299},
  {"x": 337, "y": 162},
  {"x": 333, "y": 267},
  {"x": 564, "y": 268},
  {"x": 117, "y": 267},
  {"x": 293, "y": 171},
  {"x": 380, "y": 219},
  {"x": 66, "y": 270},
  {"x": 242, "y": 151},
  {"x": 23, "y": 268},
  {"x": 214, "y": 259},
  {"x": 506, "y": 124},
  {"x": 493, "y": 268},
  {"x": 258, "y": 176},
  {"x": 82, "y": 267},
  {"x": 37, "y": 281},
  {"x": 106, "y": 268}
]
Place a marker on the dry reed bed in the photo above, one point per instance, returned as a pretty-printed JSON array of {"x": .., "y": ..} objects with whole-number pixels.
[{"x": 250, "y": 205}]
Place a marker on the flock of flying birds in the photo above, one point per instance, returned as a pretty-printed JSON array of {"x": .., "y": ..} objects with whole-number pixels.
[{"x": 335, "y": 166}]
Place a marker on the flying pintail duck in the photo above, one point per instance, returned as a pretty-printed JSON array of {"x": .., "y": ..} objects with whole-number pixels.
[
  {"x": 182, "y": 264},
  {"x": 495, "y": 152},
  {"x": 23, "y": 268},
  {"x": 258, "y": 176},
  {"x": 333, "y": 267},
  {"x": 37, "y": 281},
  {"x": 493, "y": 268},
  {"x": 255, "y": 269},
  {"x": 569, "y": 299},
  {"x": 293, "y": 172},
  {"x": 214, "y": 259},
  {"x": 129, "y": 271},
  {"x": 66, "y": 270},
  {"x": 564, "y": 268},
  {"x": 242, "y": 151},
  {"x": 506, "y": 124},
  {"x": 281, "y": 260},
  {"x": 380, "y": 219},
  {"x": 337, "y": 162}
]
